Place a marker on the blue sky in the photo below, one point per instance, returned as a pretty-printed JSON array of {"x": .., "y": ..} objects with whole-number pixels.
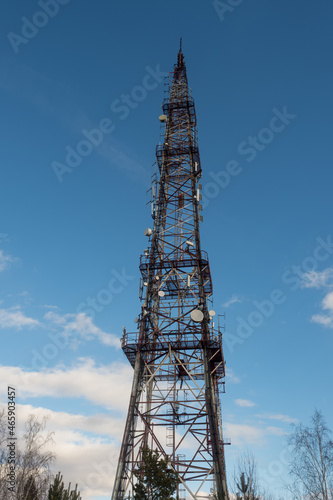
[{"x": 71, "y": 236}]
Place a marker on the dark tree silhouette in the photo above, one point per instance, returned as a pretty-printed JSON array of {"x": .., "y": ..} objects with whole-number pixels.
[
  {"x": 30, "y": 491},
  {"x": 246, "y": 478},
  {"x": 57, "y": 490},
  {"x": 156, "y": 480}
]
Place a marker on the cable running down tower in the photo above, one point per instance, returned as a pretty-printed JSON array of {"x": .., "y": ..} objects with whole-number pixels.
[{"x": 176, "y": 353}]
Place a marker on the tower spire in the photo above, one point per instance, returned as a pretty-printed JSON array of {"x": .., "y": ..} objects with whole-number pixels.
[
  {"x": 180, "y": 68},
  {"x": 176, "y": 352}
]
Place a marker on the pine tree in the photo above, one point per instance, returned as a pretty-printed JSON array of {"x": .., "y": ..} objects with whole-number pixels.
[
  {"x": 156, "y": 481},
  {"x": 75, "y": 495},
  {"x": 71, "y": 495},
  {"x": 56, "y": 490}
]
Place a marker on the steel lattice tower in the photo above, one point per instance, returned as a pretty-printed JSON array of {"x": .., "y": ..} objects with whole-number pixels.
[{"x": 177, "y": 352}]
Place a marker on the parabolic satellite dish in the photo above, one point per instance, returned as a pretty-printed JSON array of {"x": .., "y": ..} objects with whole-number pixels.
[{"x": 197, "y": 316}]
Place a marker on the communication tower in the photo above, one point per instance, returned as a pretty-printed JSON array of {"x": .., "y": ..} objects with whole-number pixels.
[{"x": 176, "y": 352}]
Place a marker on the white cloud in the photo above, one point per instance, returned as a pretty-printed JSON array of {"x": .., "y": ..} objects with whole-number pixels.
[
  {"x": 328, "y": 302},
  {"x": 327, "y": 305},
  {"x": 67, "y": 330},
  {"x": 5, "y": 261},
  {"x": 55, "y": 318},
  {"x": 243, "y": 434},
  {"x": 14, "y": 318},
  {"x": 278, "y": 416},
  {"x": 108, "y": 386},
  {"x": 320, "y": 279},
  {"x": 321, "y": 319},
  {"x": 233, "y": 300},
  {"x": 232, "y": 378},
  {"x": 86, "y": 448},
  {"x": 244, "y": 402},
  {"x": 82, "y": 325},
  {"x": 102, "y": 425}
]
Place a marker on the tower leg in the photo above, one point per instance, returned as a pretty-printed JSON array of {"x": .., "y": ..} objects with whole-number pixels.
[{"x": 123, "y": 475}]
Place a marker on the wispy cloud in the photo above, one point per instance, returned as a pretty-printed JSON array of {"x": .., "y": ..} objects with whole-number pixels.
[
  {"x": 75, "y": 327},
  {"x": 244, "y": 402},
  {"x": 232, "y": 300},
  {"x": 15, "y": 318},
  {"x": 327, "y": 305},
  {"x": 62, "y": 103},
  {"x": 244, "y": 434},
  {"x": 81, "y": 325},
  {"x": 319, "y": 279},
  {"x": 322, "y": 319},
  {"x": 232, "y": 378},
  {"x": 322, "y": 279},
  {"x": 5, "y": 261},
  {"x": 279, "y": 417},
  {"x": 118, "y": 155}
]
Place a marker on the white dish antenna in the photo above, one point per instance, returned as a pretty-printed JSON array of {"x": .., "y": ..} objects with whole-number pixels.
[{"x": 197, "y": 316}]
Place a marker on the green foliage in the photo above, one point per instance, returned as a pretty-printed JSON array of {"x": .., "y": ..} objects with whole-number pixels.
[
  {"x": 72, "y": 495},
  {"x": 156, "y": 480},
  {"x": 57, "y": 490}
]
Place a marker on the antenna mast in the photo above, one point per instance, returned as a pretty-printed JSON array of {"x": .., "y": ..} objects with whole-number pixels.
[{"x": 176, "y": 353}]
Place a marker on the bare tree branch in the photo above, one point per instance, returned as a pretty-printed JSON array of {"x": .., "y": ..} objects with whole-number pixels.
[
  {"x": 33, "y": 459},
  {"x": 311, "y": 465}
]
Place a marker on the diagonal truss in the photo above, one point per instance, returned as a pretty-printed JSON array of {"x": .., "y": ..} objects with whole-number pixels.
[{"x": 177, "y": 352}]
